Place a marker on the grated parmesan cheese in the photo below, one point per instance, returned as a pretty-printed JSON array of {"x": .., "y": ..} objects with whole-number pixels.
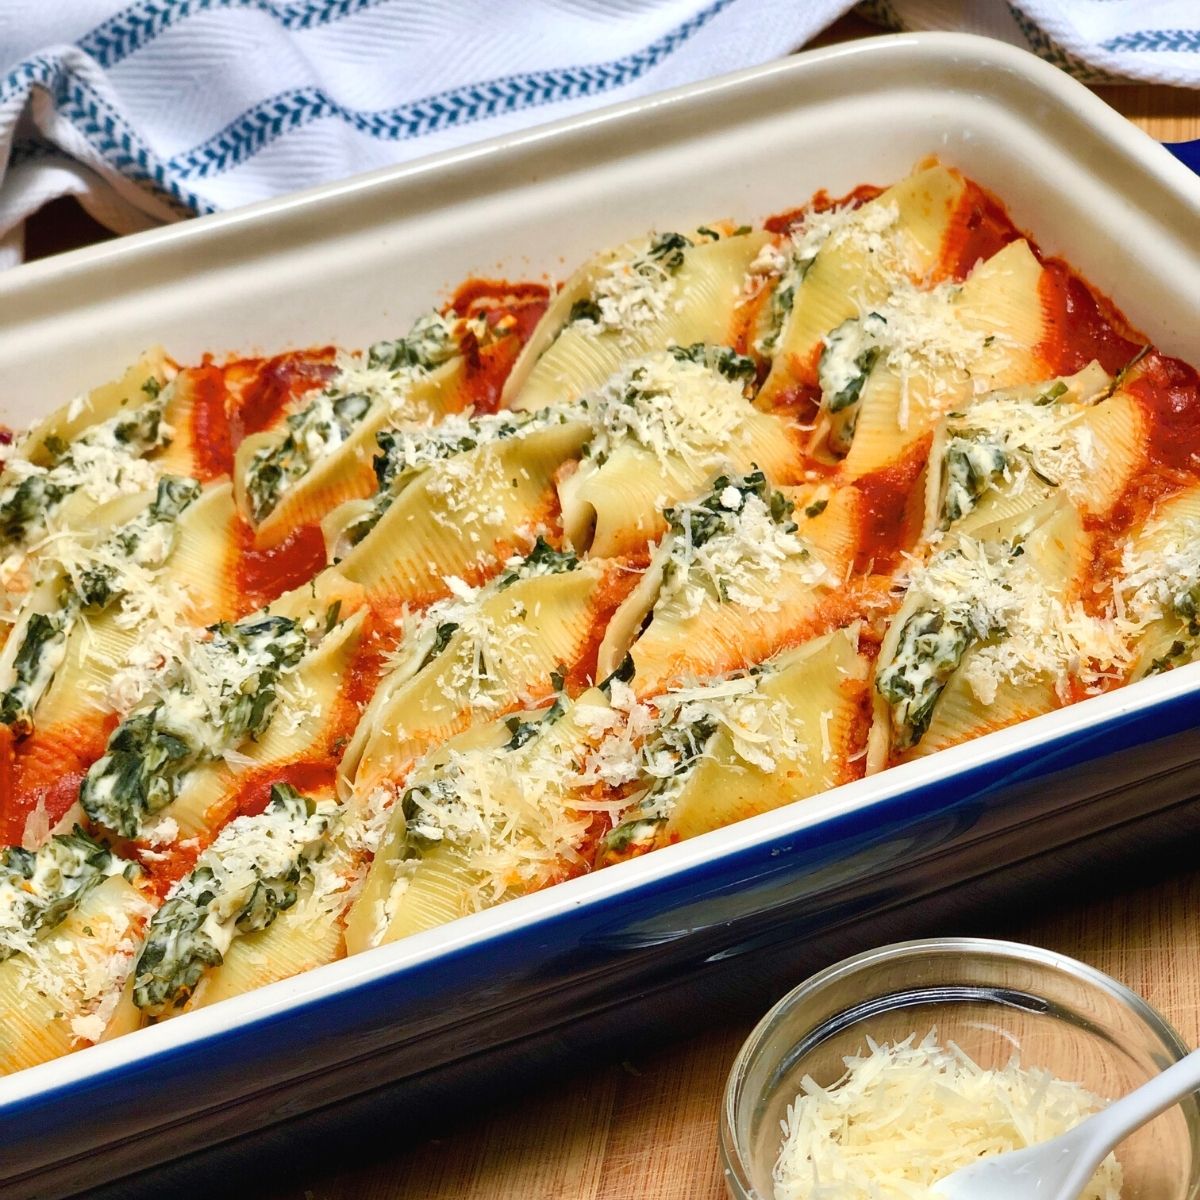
[
  {"x": 904, "y": 1116},
  {"x": 731, "y": 547},
  {"x": 1026, "y": 631},
  {"x": 671, "y": 406},
  {"x": 509, "y": 812},
  {"x": 1155, "y": 578}
]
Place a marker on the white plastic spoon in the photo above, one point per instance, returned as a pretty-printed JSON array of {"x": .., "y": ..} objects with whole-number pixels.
[{"x": 1060, "y": 1168}]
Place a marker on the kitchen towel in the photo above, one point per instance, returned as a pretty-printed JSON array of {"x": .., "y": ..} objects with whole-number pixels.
[{"x": 159, "y": 109}]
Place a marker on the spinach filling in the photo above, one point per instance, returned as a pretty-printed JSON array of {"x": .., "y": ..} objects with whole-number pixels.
[
  {"x": 847, "y": 359},
  {"x": 427, "y": 345},
  {"x": 724, "y": 360},
  {"x": 311, "y": 434},
  {"x": 151, "y": 752},
  {"x": 714, "y": 514},
  {"x": 682, "y": 746},
  {"x": 436, "y": 808},
  {"x": 246, "y": 878},
  {"x": 99, "y": 583},
  {"x": 44, "y": 642},
  {"x": 971, "y": 466},
  {"x": 717, "y": 515},
  {"x": 39, "y": 889},
  {"x": 1186, "y": 606},
  {"x": 26, "y": 504},
  {"x": 931, "y": 648},
  {"x": 667, "y": 250},
  {"x": 41, "y": 653},
  {"x": 543, "y": 559}
]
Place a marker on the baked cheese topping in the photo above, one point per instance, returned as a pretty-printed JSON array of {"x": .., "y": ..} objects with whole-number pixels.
[
  {"x": 990, "y": 597},
  {"x": 1001, "y": 441},
  {"x": 658, "y": 744},
  {"x": 635, "y": 293},
  {"x": 105, "y": 461},
  {"x": 1163, "y": 579},
  {"x": 508, "y": 813},
  {"x": 734, "y": 546},
  {"x": 671, "y": 406},
  {"x": 467, "y": 620}
]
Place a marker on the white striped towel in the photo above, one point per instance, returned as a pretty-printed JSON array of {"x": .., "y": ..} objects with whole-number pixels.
[{"x": 153, "y": 110}]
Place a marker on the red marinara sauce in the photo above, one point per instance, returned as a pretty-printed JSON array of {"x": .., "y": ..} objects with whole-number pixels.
[
  {"x": 979, "y": 227},
  {"x": 244, "y": 396},
  {"x": 212, "y": 443},
  {"x": 261, "y": 389},
  {"x": 892, "y": 509},
  {"x": 512, "y": 311},
  {"x": 308, "y": 777},
  {"x": 1168, "y": 393},
  {"x": 1080, "y": 326},
  {"x": 45, "y": 769},
  {"x": 265, "y": 574}
]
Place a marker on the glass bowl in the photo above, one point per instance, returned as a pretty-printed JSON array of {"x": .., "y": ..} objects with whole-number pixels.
[{"x": 991, "y": 998}]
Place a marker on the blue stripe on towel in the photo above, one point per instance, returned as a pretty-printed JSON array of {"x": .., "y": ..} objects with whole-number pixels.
[
  {"x": 1170, "y": 40},
  {"x": 128, "y": 31},
  {"x": 272, "y": 118}
]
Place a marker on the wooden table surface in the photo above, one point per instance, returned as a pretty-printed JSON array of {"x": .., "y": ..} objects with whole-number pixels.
[{"x": 647, "y": 1129}]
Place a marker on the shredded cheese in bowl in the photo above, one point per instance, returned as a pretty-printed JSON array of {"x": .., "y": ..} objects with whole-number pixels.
[{"x": 905, "y": 1115}]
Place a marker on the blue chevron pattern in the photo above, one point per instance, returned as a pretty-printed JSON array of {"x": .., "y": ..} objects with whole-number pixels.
[
  {"x": 280, "y": 114},
  {"x": 1186, "y": 41},
  {"x": 1046, "y": 47},
  {"x": 129, "y": 30}
]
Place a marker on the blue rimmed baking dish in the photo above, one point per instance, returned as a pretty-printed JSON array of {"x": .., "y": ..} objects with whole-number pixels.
[{"x": 1117, "y": 770}]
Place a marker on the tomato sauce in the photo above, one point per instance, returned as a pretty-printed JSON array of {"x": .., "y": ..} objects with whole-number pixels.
[
  {"x": 1081, "y": 326},
  {"x": 1168, "y": 392},
  {"x": 979, "y": 227},
  {"x": 263, "y": 388},
  {"x": 892, "y": 510},
  {"x": 166, "y": 865},
  {"x": 516, "y": 307},
  {"x": 264, "y": 574},
  {"x": 604, "y": 602},
  {"x": 512, "y": 311},
  {"x": 212, "y": 442},
  {"x": 801, "y": 403},
  {"x": 45, "y": 769},
  {"x": 310, "y": 778}
]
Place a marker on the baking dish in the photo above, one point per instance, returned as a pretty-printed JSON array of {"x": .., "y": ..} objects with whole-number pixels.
[{"x": 352, "y": 262}]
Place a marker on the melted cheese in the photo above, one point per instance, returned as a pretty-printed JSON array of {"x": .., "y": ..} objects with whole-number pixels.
[{"x": 1152, "y": 578}]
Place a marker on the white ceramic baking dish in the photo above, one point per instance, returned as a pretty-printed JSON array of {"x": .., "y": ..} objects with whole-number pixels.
[{"x": 354, "y": 262}]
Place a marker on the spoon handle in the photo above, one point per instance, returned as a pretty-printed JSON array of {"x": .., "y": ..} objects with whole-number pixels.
[{"x": 1120, "y": 1119}]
